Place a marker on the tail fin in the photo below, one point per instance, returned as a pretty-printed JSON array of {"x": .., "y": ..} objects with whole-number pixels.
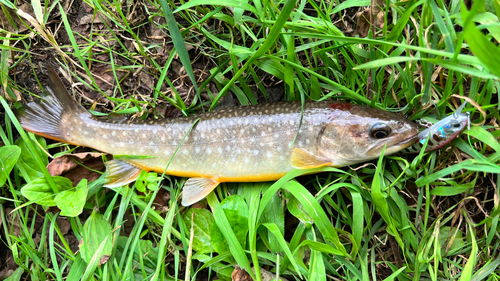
[{"x": 48, "y": 117}]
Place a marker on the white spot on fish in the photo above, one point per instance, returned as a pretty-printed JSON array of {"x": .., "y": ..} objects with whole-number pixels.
[
  {"x": 242, "y": 131},
  {"x": 247, "y": 160},
  {"x": 254, "y": 129},
  {"x": 219, "y": 150},
  {"x": 279, "y": 148},
  {"x": 209, "y": 150},
  {"x": 288, "y": 133},
  {"x": 308, "y": 141},
  {"x": 162, "y": 138},
  {"x": 144, "y": 136},
  {"x": 301, "y": 143},
  {"x": 217, "y": 131},
  {"x": 269, "y": 154},
  {"x": 256, "y": 152},
  {"x": 263, "y": 134}
]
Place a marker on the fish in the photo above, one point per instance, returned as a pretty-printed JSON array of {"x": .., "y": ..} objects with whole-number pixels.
[
  {"x": 443, "y": 132},
  {"x": 236, "y": 144}
]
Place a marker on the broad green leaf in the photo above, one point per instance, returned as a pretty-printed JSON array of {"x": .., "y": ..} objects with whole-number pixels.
[
  {"x": 96, "y": 230},
  {"x": 8, "y": 157},
  {"x": 276, "y": 232},
  {"x": 144, "y": 251},
  {"x": 71, "y": 201},
  {"x": 273, "y": 213},
  {"x": 298, "y": 211},
  {"x": 40, "y": 192},
  {"x": 28, "y": 161},
  {"x": 202, "y": 222},
  {"x": 232, "y": 239},
  {"x": 236, "y": 211},
  {"x": 450, "y": 234},
  {"x": 312, "y": 206}
]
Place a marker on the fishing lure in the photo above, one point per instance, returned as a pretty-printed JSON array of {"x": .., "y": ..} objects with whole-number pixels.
[{"x": 443, "y": 132}]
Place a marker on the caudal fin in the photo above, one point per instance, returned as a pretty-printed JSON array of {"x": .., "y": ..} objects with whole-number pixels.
[{"x": 48, "y": 117}]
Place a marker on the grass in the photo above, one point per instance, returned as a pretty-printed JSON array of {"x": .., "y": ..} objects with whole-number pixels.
[{"x": 430, "y": 216}]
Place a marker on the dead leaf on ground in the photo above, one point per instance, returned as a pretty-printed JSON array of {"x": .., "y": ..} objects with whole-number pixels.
[
  {"x": 68, "y": 166},
  {"x": 363, "y": 22}
]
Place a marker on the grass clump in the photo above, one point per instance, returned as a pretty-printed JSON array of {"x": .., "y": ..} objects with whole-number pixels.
[{"x": 430, "y": 216}]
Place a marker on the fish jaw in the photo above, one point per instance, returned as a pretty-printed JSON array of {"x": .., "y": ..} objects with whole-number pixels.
[{"x": 393, "y": 148}]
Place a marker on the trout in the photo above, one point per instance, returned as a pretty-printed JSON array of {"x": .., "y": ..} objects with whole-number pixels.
[{"x": 239, "y": 144}]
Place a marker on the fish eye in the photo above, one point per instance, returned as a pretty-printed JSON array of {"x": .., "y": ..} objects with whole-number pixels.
[
  {"x": 456, "y": 125},
  {"x": 380, "y": 131}
]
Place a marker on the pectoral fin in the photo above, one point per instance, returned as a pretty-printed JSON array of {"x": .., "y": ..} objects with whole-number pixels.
[
  {"x": 120, "y": 172},
  {"x": 196, "y": 189},
  {"x": 302, "y": 159}
]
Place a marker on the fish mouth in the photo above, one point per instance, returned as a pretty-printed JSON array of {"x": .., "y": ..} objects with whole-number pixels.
[
  {"x": 407, "y": 142},
  {"x": 393, "y": 147}
]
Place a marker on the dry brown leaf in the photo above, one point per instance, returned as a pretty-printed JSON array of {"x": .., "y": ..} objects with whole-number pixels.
[{"x": 68, "y": 166}]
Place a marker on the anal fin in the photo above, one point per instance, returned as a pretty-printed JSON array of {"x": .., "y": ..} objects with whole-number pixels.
[
  {"x": 120, "y": 172},
  {"x": 302, "y": 159},
  {"x": 196, "y": 189}
]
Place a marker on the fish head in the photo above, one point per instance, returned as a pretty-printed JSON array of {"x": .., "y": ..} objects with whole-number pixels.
[{"x": 362, "y": 134}]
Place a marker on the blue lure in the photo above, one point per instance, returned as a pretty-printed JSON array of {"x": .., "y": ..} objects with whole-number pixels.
[{"x": 444, "y": 131}]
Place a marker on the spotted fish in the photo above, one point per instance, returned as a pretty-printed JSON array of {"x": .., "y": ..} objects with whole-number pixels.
[{"x": 239, "y": 144}]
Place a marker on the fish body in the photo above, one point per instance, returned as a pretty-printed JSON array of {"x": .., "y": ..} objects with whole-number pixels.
[{"x": 239, "y": 144}]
